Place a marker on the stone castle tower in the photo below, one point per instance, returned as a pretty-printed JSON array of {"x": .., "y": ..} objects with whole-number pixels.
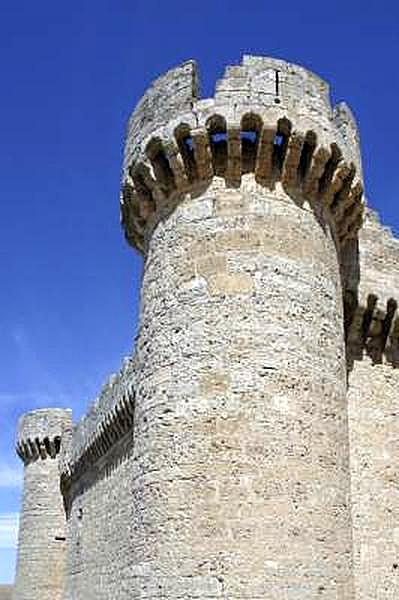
[
  {"x": 41, "y": 552},
  {"x": 247, "y": 448}
]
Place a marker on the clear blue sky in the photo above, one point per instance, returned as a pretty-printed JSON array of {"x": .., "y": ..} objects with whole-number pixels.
[{"x": 71, "y": 72}]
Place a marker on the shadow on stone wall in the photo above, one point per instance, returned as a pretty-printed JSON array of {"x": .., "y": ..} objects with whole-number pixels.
[{"x": 89, "y": 476}]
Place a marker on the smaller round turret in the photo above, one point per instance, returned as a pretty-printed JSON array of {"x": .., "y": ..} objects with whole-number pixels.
[
  {"x": 41, "y": 544},
  {"x": 39, "y": 433}
]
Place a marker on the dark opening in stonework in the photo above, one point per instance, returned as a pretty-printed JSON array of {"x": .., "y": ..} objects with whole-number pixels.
[
  {"x": 330, "y": 168},
  {"x": 46, "y": 442},
  {"x": 57, "y": 444},
  {"x": 251, "y": 126},
  {"x": 249, "y": 137},
  {"x": 143, "y": 191},
  {"x": 188, "y": 143},
  {"x": 160, "y": 163},
  {"x": 308, "y": 149},
  {"x": 249, "y": 147},
  {"x": 218, "y": 143},
  {"x": 280, "y": 144},
  {"x": 277, "y": 82},
  {"x": 163, "y": 172}
]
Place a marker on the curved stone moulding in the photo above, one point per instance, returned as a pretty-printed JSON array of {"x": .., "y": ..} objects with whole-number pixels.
[{"x": 308, "y": 164}]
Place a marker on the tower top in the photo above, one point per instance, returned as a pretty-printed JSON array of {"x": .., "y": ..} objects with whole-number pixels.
[
  {"x": 268, "y": 117},
  {"x": 39, "y": 433}
]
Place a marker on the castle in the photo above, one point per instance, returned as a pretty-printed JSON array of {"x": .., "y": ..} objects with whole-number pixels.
[{"x": 249, "y": 447}]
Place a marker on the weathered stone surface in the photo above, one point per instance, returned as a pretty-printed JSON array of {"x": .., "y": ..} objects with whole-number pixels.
[
  {"x": 374, "y": 439},
  {"x": 233, "y": 450},
  {"x": 374, "y": 416}
]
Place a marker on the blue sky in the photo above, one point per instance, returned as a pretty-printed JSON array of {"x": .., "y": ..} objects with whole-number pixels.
[{"x": 71, "y": 73}]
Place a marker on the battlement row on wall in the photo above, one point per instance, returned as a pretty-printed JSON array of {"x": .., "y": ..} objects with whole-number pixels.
[
  {"x": 30, "y": 450},
  {"x": 259, "y": 84},
  {"x": 107, "y": 421},
  {"x": 309, "y": 165}
]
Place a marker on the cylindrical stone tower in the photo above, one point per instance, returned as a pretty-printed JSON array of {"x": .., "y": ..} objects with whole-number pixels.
[
  {"x": 41, "y": 543},
  {"x": 246, "y": 208}
]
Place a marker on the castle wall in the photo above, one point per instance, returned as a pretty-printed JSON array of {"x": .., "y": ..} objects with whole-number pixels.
[
  {"x": 374, "y": 438},
  {"x": 374, "y": 417},
  {"x": 99, "y": 528},
  {"x": 220, "y": 461},
  {"x": 97, "y": 481},
  {"x": 42, "y": 539}
]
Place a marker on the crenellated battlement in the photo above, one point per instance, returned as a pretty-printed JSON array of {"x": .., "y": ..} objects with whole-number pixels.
[
  {"x": 40, "y": 432},
  {"x": 105, "y": 423},
  {"x": 263, "y": 82},
  {"x": 268, "y": 117}
]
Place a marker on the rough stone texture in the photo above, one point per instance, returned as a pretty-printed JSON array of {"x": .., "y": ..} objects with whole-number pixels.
[
  {"x": 230, "y": 458},
  {"x": 240, "y": 479},
  {"x": 42, "y": 538},
  {"x": 100, "y": 521},
  {"x": 374, "y": 417},
  {"x": 96, "y": 479}
]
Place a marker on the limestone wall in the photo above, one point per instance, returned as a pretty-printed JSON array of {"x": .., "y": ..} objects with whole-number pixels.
[
  {"x": 42, "y": 538},
  {"x": 374, "y": 437},
  {"x": 241, "y": 479},
  {"x": 374, "y": 416},
  {"x": 379, "y": 255},
  {"x": 96, "y": 482}
]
